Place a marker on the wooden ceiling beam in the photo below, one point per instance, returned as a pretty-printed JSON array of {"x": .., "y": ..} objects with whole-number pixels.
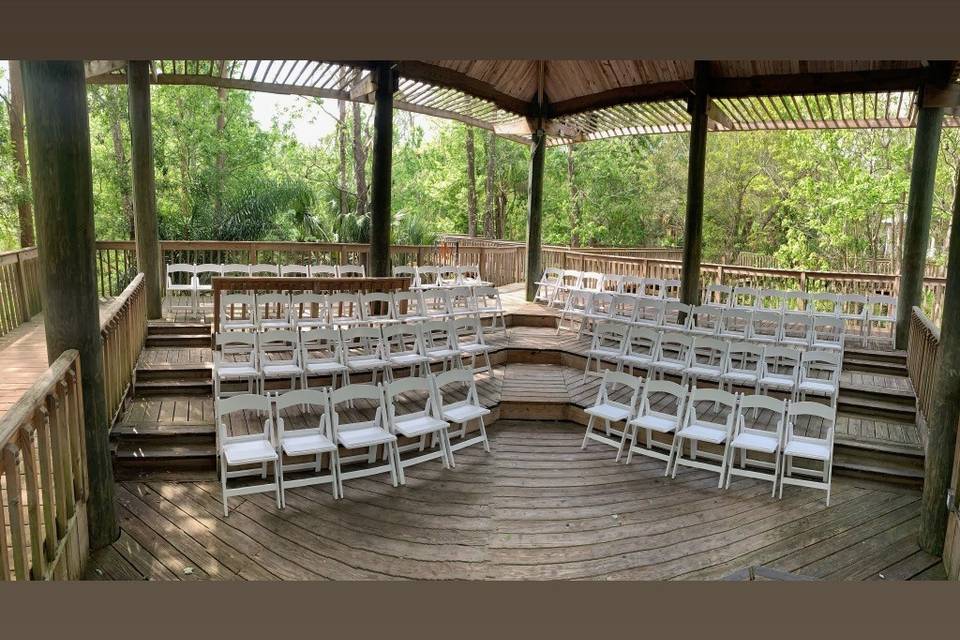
[
  {"x": 637, "y": 93},
  {"x": 440, "y": 76}
]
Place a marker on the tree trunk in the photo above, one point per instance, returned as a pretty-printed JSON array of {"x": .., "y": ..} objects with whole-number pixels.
[
  {"x": 471, "y": 186},
  {"x": 501, "y": 208},
  {"x": 221, "y": 167},
  {"x": 489, "y": 223},
  {"x": 24, "y": 211},
  {"x": 359, "y": 161},
  {"x": 575, "y": 199},
  {"x": 120, "y": 160},
  {"x": 342, "y": 156}
]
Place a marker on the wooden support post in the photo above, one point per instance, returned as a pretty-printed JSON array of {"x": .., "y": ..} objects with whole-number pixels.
[
  {"x": 15, "y": 113},
  {"x": 144, "y": 188},
  {"x": 382, "y": 171},
  {"x": 693, "y": 229},
  {"x": 59, "y": 143},
  {"x": 535, "y": 211},
  {"x": 916, "y": 238},
  {"x": 945, "y": 403}
]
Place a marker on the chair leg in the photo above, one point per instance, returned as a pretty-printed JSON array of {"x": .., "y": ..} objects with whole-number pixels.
[
  {"x": 278, "y": 481},
  {"x": 728, "y": 453},
  {"x": 587, "y": 434},
  {"x": 396, "y": 468},
  {"x": 483, "y": 432},
  {"x": 223, "y": 485}
]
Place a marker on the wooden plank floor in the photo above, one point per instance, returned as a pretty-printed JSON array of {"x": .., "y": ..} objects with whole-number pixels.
[{"x": 536, "y": 507}]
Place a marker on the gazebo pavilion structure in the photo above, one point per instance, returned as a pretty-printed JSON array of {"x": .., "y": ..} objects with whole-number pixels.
[{"x": 538, "y": 103}]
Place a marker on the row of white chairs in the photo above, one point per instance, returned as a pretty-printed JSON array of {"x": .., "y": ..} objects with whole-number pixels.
[
  {"x": 263, "y": 311},
  {"x": 187, "y": 282},
  {"x": 254, "y": 359},
  {"x": 728, "y": 421},
  {"x": 728, "y": 363},
  {"x": 765, "y": 326},
  {"x": 334, "y": 424},
  {"x": 556, "y": 284},
  {"x": 432, "y": 277}
]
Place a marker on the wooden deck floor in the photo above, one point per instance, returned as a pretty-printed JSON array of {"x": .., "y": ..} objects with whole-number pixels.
[{"x": 536, "y": 507}]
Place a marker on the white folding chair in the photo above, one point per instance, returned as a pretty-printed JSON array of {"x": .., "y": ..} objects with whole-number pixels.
[
  {"x": 742, "y": 368},
  {"x": 235, "y": 361},
  {"x": 309, "y": 310},
  {"x": 294, "y": 271},
  {"x": 575, "y": 310},
  {"x": 321, "y": 355},
  {"x": 363, "y": 353},
  {"x": 640, "y": 350},
  {"x": 253, "y": 452},
  {"x": 750, "y": 437},
  {"x": 820, "y": 375},
  {"x": 853, "y": 311},
  {"x": 238, "y": 312},
  {"x": 427, "y": 277},
  {"x": 815, "y": 448},
  {"x": 623, "y": 308},
  {"x": 376, "y": 308},
  {"x": 673, "y": 355},
  {"x": 796, "y": 302},
  {"x": 744, "y": 298},
  {"x": 345, "y": 309},
  {"x": 705, "y": 320},
  {"x": 323, "y": 271},
  {"x": 598, "y": 310},
  {"x": 796, "y": 329},
  {"x": 203, "y": 285},
  {"x": 436, "y": 303},
  {"x": 611, "y": 411},
  {"x": 779, "y": 370},
  {"x": 708, "y": 356},
  {"x": 489, "y": 305},
  {"x": 470, "y": 341},
  {"x": 279, "y": 355},
  {"x": 274, "y": 311},
  {"x": 611, "y": 282},
  {"x": 569, "y": 281},
  {"x": 418, "y": 424},
  {"x": 268, "y": 270},
  {"x": 408, "y": 306},
  {"x": 697, "y": 428},
  {"x": 649, "y": 312},
  {"x": 827, "y": 334},
  {"x": 652, "y": 418},
  {"x": 351, "y": 271},
  {"x": 718, "y": 295},
  {"x": 469, "y": 276},
  {"x": 448, "y": 276},
  {"x": 609, "y": 344},
  {"x": 735, "y": 324},
  {"x": 547, "y": 285},
  {"x": 365, "y": 433},
  {"x": 823, "y": 304},
  {"x": 654, "y": 288},
  {"x": 461, "y": 412},
  {"x": 631, "y": 285},
  {"x": 462, "y": 302},
  {"x": 766, "y": 326},
  {"x": 304, "y": 441},
  {"x": 404, "y": 271},
  {"x": 180, "y": 284},
  {"x": 590, "y": 281},
  {"x": 671, "y": 289},
  {"x": 235, "y": 270},
  {"x": 403, "y": 348},
  {"x": 771, "y": 300},
  {"x": 677, "y": 316},
  {"x": 882, "y": 311},
  {"x": 440, "y": 343}
]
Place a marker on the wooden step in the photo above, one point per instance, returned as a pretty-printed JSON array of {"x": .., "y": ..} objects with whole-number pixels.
[
  {"x": 178, "y": 340},
  {"x": 145, "y": 459},
  {"x": 196, "y": 386},
  {"x": 866, "y": 365},
  {"x": 855, "y": 459},
  {"x": 901, "y": 396},
  {"x": 875, "y": 407},
  {"x": 154, "y": 430},
  {"x": 155, "y": 328},
  {"x": 174, "y": 372}
]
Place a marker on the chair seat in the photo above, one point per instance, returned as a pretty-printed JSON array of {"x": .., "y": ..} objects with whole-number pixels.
[
  {"x": 820, "y": 345},
  {"x": 242, "y": 371},
  {"x": 474, "y": 347},
  {"x": 418, "y": 426},
  {"x": 295, "y": 444},
  {"x": 632, "y": 360},
  {"x": 274, "y": 324},
  {"x": 249, "y": 452},
  {"x": 442, "y": 353},
  {"x": 366, "y": 364},
  {"x": 463, "y": 413},
  {"x": 756, "y": 442},
  {"x": 364, "y": 437},
  {"x": 412, "y": 319},
  {"x": 604, "y": 352},
  {"x": 281, "y": 370},
  {"x": 204, "y": 287},
  {"x": 667, "y": 365},
  {"x": 655, "y": 423},
  {"x": 407, "y": 359},
  {"x": 740, "y": 377},
  {"x": 237, "y": 325},
  {"x": 777, "y": 382},
  {"x": 815, "y": 386},
  {"x": 703, "y": 372},
  {"x": 324, "y": 367},
  {"x": 179, "y": 287},
  {"x": 704, "y": 433},
  {"x": 609, "y": 412},
  {"x": 311, "y": 322},
  {"x": 811, "y": 450}
]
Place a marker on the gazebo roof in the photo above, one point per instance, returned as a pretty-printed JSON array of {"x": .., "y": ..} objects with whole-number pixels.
[{"x": 595, "y": 99}]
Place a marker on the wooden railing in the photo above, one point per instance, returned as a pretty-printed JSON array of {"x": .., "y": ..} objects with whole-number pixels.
[
  {"x": 123, "y": 332},
  {"x": 922, "y": 358},
  {"x": 19, "y": 288},
  {"x": 43, "y": 476}
]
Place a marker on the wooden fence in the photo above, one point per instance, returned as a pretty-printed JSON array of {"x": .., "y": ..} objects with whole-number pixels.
[
  {"x": 922, "y": 358},
  {"x": 123, "y": 332},
  {"x": 43, "y": 479},
  {"x": 19, "y": 288}
]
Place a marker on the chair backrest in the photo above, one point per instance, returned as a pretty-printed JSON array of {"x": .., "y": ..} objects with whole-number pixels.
[
  {"x": 642, "y": 341},
  {"x": 438, "y": 333},
  {"x": 677, "y": 316},
  {"x": 828, "y": 330},
  {"x": 601, "y": 303},
  {"x": 623, "y": 308},
  {"x": 611, "y": 282},
  {"x": 653, "y": 287},
  {"x": 766, "y": 323},
  {"x": 671, "y": 289},
  {"x": 591, "y": 280},
  {"x": 578, "y": 300},
  {"x": 632, "y": 285},
  {"x": 650, "y": 311},
  {"x": 273, "y": 306},
  {"x": 678, "y": 392},
  {"x": 611, "y": 386},
  {"x": 235, "y": 269},
  {"x": 571, "y": 278},
  {"x": 264, "y": 270},
  {"x": 772, "y": 299},
  {"x": 294, "y": 270},
  {"x": 487, "y": 297},
  {"x": 796, "y": 301},
  {"x": 469, "y": 273},
  {"x": 718, "y": 295},
  {"x": 408, "y": 304},
  {"x": 376, "y": 305},
  {"x": 351, "y": 271},
  {"x": 824, "y": 303},
  {"x": 427, "y": 275},
  {"x": 281, "y": 346},
  {"x": 436, "y": 300},
  {"x": 404, "y": 271},
  {"x": 744, "y": 357},
  {"x": 237, "y": 307},
  {"x": 610, "y": 335},
  {"x": 735, "y": 320},
  {"x": 853, "y": 305},
  {"x": 459, "y": 377},
  {"x": 708, "y": 352},
  {"x": 178, "y": 268},
  {"x": 781, "y": 362},
  {"x": 204, "y": 272},
  {"x": 745, "y": 297},
  {"x": 882, "y": 306},
  {"x": 468, "y": 331},
  {"x": 416, "y": 391},
  {"x": 235, "y": 348},
  {"x": 675, "y": 347},
  {"x": 344, "y": 305},
  {"x": 462, "y": 299},
  {"x": 709, "y": 415},
  {"x": 706, "y": 318},
  {"x": 323, "y": 271},
  {"x": 551, "y": 275},
  {"x": 447, "y": 276},
  {"x": 753, "y": 408},
  {"x": 824, "y": 366},
  {"x": 302, "y": 398},
  {"x": 402, "y": 338},
  {"x": 310, "y": 306},
  {"x": 239, "y": 404},
  {"x": 361, "y": 343},
  {"x": 350, "y": 394},
  {"x": 827, "y": 414},
  {"x": 321, "y": 345},
  {"x": 797, "y": 326}
]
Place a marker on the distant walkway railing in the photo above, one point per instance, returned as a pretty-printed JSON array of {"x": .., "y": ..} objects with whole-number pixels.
[
  {"x": 43, "y": 473},
  {"x": 19, "y": 288}
]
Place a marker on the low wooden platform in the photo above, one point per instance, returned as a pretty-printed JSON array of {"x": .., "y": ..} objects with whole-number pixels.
[{"x": 536, "y": 507}]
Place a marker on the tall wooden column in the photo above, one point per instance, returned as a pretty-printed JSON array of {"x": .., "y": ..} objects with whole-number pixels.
[
  {"x": 916, "y": 238},
  {"x": 382, "y": 171},
  {"x": 945, "y": 408},
  {"x": 144, "y": 188},
  {"x": 59, "y": 143},
  {"x": 535, "y": 210},
  {"x": 693, "y": 229}
]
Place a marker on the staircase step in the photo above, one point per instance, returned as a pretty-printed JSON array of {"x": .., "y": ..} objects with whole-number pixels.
[
  {"x": 155, "y": 328},
  {"x": 866, "y": 365},
  {"x": 178, "y": 340},
  {"x": 174, "y": 387},
  {"x": 875, "y": 465},
  {"x": 874, "y": 407},
  {"x": 140, "y": 459},
  {"x": 174, "y": 372},
  {"x": 153, "y": 430},
  {"x": 876, "y": 355},
  {"x": 900, "y": 396}
]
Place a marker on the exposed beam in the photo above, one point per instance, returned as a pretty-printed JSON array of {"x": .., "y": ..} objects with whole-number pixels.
[
  {"x": 940, "y": 96},
  {"x": 517, "y": 127},
  {"x": 363, "y": 89},
  {"x": 637, "y": 93},
  {"x": 717, "y": 117},
  {"x": 93, "y": 68},
  {"x": 440, "y": 76}
]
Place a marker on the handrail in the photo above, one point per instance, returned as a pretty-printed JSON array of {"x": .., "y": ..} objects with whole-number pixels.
[
  {"x": 19, "y": 288},
  {"x": 123, "y": 331},
  {"x": 44, "y": 473},
  {"x": 922, "y": 355}
]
